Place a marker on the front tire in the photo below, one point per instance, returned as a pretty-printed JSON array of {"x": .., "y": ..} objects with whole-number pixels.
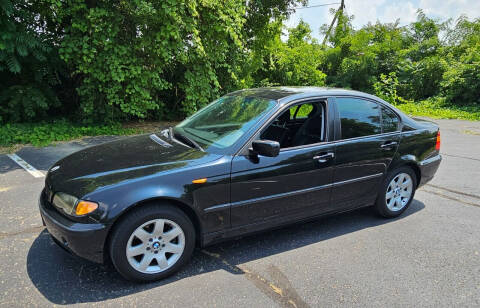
[
  {"x": 397, "y": 192},
  {"x": 152, "y": 242}
]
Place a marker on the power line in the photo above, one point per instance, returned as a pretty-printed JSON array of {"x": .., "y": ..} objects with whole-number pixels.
[
  {"x": 339, "y": 11},
  {"x": 313, "y": 6}
]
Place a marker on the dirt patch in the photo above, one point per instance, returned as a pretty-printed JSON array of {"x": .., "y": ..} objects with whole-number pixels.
[
  {"x": 149, "y": 126},
  {"x": 12, "y": 149},
  {"x": 471, "y": 132}
]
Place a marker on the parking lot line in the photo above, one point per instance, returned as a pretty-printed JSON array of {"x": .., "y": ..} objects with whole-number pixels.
[{"x": 29, "y": 168}]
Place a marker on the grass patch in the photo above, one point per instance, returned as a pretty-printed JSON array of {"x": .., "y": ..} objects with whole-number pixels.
[
  {"x": 437, "y": 109},
  {"x": 42, "y": 134}
]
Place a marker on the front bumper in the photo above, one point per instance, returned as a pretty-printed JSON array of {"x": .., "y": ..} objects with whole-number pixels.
[
  {"x": 86, "y": 240},
  {"x": 428, "y": 168}
]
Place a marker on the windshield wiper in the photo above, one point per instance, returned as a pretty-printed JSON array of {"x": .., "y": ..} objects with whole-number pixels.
[{"x": 191, "y": 142}]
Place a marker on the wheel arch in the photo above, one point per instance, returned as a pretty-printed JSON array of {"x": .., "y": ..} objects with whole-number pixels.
[
  {"x": 412, "y": 164},
  {"x": 416, "y": 169},
  {"x": 408, "y": 160},
  {"x": 191, "y": 214}
]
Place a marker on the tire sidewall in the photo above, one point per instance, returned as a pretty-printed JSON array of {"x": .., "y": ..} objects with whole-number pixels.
[
  {"x": 131, "y": 222},
  {"x": 381, "y": 203}
]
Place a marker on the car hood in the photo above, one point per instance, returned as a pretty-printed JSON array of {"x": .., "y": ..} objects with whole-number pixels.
[{"x": 123, "y": 160}]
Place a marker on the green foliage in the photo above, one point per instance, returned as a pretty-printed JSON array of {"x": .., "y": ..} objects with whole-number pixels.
[
  {"x": 460, "y": 83},
  {"x": 126, "y": 59},
  {"x": 291, "y": 63},
  {"x": 411, "y": 63},
  {"x": 167, "y": 57},
  {"x": 41, "y": 134},
  {"x": 110, "y": 61},
  {"x": 356, "y": 59},
  {"x": 437, "y": 107},
  {"x": 387, "y": 88},
  {"x": 25, "y": 102},
  {"x": 420, "y": 80},
  {"x": 29, "y": 66}
]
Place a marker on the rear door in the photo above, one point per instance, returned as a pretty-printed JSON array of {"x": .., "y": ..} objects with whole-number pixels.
[{"x": 366, "y": 143}]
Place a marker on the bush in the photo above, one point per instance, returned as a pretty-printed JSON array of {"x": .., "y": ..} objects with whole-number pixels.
[
  {"x": 96, "y": 61},
  {"x": 438, "y": 108},
  {"x": 387, "y": 88},
  {"x": 291, "y": 63},
  {"x": 461, "y": 82},
  {"x": 169, "y": 58},
  {"x": 30, "y": 68}
]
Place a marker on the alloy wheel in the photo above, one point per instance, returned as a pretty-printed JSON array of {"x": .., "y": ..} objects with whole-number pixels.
[
  {"x": 155, "y": 246},
  {"x": 399, "y": 192}
]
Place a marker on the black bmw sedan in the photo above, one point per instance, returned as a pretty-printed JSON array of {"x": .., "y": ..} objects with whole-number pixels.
[{"x": 249, "y": 161}]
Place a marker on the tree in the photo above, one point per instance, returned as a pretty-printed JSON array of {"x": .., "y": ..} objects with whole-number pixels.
[
  {"x": 29, "y": 66},
  {"x": 291, "y": 63},
  {"x": 460, "y": 81}
]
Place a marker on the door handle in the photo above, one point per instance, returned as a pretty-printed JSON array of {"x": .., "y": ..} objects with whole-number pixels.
[
  {"x": 324, "y": 157},
  {"x": 388, "y": 144}
]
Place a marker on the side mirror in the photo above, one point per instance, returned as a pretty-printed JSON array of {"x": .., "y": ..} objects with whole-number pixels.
[{"x": 267, "y": 148}]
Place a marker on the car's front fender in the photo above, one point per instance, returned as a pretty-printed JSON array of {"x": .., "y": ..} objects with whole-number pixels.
[{"x": 178, "y": 188}]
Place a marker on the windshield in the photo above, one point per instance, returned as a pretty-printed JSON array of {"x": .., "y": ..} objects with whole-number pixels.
[{"x": 220, "y": 124}]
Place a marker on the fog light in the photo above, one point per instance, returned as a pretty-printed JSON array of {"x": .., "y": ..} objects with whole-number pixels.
[{"x": 85, "y": 207}]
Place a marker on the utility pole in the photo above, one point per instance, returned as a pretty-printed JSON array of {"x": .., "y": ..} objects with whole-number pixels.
[{"x": 339, "y": 11}]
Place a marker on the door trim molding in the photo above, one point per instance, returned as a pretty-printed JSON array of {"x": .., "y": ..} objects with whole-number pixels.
[
  {"x": 367, "y": 177},
  {"x": 287, "y": 194},
  {"x": 265, "y": 198}
]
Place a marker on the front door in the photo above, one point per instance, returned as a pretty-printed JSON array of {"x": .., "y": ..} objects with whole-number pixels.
[{"x": 293, "y": 185}]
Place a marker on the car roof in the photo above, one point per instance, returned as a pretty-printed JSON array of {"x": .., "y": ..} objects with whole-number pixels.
[{"x": 287, "y": 94}]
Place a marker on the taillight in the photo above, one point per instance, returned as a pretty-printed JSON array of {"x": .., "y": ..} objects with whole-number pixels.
[{"x": 437, "y": 145}]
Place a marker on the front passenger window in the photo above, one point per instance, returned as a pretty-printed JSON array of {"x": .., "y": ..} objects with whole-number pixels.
[{"x": 299, "y": 125}]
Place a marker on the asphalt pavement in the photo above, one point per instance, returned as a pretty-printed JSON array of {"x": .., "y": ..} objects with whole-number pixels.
[{"x": 430, "y": 256}]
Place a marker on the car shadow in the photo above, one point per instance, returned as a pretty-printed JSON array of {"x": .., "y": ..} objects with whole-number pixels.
[{"x": 65, "y": 279}]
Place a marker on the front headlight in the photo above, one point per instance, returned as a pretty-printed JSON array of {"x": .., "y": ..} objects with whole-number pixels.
[
  {"x": 65, "y": 202},
  {"x": 72, "y": 205}
]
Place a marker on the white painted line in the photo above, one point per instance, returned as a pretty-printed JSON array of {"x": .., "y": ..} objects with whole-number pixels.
[{"x": 30, "y": 169}]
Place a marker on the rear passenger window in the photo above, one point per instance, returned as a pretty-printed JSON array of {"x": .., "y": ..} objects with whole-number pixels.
[
  {"x": 358, "y": 117},
  {"x": 389, "y": 120}
]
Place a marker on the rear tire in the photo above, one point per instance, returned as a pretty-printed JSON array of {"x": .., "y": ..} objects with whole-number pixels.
[
  {"x": 141, "y": 247},
  {"x": 397, "y": 192}
]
